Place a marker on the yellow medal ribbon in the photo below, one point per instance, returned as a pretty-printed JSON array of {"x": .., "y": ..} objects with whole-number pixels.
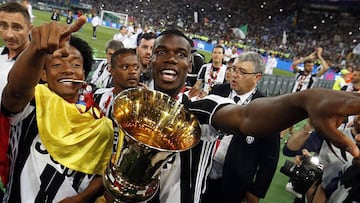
[{"x": 79, "y": 141}]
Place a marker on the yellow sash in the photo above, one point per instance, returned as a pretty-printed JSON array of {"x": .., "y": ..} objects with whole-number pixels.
[{"x": 76, "y": 140}]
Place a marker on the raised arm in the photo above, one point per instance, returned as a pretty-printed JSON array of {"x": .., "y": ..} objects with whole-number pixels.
[
  {"x": 50, "y": 38},
  {"x": 324, "y": 65},
  {"x": 325, "y": 108},
  {"x": 295, "y": 63}
]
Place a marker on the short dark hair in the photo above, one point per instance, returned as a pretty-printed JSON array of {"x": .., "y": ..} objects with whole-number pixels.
[
  {"x": 308, "y": 61},
  {"x": 219, "y": 46},
  {"x": 14, "y": 7},
  {"x": 118, "y": 52},
  {"x": 86, "y": 52},
  {"x": 178, "y": 33},
  {"x": 114, "y": 44},
  {"x": 146, "y": 36}
]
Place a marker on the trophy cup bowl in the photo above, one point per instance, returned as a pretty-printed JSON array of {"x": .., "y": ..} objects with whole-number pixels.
[{"x": 155, "y": 127}]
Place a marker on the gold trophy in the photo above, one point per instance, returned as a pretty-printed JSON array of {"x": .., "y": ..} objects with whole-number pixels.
[{"x": 155, "y": 126}]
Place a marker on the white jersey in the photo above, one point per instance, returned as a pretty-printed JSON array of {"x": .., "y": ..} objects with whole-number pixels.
[
  {"x": 37, "y": 177},
  {"x": 333, "y": 159},
  {"x": 211, "y": 77},
  {"x": 101, "y": 77},
  {"x": 5, "y": 66},
  {"x": 183, "y": 179},
  {"x": 271, "y": 63},
  {"x": 124, "y": 39},
  {"x": 104, "y": 98},
  {"x": 95, "y": 21},
  {"x": 303, "y": 82}
]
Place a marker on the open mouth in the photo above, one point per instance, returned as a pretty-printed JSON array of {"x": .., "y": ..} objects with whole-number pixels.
[
  {"x": 73, "y": 81},
  {"x": 168, "y": 75},
  {"x": 233, "y": 83}
]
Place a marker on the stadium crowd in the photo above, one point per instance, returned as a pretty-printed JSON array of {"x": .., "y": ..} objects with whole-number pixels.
[{"x": 335, "y": 32}]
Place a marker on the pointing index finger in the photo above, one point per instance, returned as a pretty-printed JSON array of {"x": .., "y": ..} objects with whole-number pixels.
[{"x": 74, "y": 27}]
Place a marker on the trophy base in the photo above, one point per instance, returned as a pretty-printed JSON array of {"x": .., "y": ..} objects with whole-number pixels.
[{"x": 124, "y": 191}]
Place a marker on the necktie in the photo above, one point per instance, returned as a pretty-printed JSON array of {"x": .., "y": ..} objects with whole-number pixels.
[{"x": 236, "y": 99}]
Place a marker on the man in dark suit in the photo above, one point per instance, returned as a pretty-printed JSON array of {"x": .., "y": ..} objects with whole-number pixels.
[{"x": 243, "y": 167}]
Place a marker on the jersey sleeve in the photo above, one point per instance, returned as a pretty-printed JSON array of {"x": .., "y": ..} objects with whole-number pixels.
[{"x": 205, "y": 108}]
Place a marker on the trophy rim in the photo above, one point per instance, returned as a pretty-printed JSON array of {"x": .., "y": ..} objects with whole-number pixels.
[{"x": 197, "y": 128}]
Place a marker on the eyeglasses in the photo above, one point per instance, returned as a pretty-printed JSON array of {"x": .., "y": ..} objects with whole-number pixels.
[{"x": 241, "y": 72}]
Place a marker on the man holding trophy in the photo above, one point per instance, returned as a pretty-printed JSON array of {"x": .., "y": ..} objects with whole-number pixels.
[
  {"x": 184, "y": 162},
  {"x": 183, "y": 178}
]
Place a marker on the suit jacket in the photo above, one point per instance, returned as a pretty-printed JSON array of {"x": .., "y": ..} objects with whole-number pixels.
[{"x": 250, "y": 163}]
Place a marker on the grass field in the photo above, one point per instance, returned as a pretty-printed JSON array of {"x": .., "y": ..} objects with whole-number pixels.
[
  {"x": 276, "y": 192},
  {"x": 103, "y": 34}
]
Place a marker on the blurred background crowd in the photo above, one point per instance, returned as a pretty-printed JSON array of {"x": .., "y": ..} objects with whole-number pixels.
[{"x": 280, "y": 26}]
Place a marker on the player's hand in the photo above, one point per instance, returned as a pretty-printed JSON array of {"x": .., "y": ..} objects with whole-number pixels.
[{"x": 53, "y": 38}]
